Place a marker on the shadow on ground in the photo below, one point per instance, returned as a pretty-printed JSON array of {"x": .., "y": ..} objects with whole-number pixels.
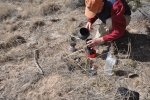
[{"x": 140, "y": 46}]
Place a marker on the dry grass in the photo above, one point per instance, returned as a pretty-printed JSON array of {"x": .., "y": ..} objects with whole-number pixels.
[
  {"x": 6, "y": 11},
  {"x": 44, "y": 9},
  {"x": 47, "y": 26},
  {"x": 48, "y": 8}
]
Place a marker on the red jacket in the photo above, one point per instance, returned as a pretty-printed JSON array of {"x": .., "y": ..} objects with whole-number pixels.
[{"x": 117, "y": 11}]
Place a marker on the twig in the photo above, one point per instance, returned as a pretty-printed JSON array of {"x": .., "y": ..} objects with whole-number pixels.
[
  {"x": 77, "y": 64},
  {"x": 36, "y": 57},
  {"x": 129, "y": 49},
  {"x": 74, "y": 53}
]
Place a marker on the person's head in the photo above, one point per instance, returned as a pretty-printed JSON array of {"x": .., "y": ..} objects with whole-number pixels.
[{"x": 93, "y": 7}]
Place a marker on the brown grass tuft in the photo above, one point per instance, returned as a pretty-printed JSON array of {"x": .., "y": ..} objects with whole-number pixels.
[
  {"x": 49, "y": 8},
  {"x": 6, "y": 11},
  {"x": 13, "y": 42},
  {"x": 37, "y": 24}
]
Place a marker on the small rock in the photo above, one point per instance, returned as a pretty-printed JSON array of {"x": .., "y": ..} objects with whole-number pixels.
[
  {"x": 55, "y": 20},
  {"x": 120, "y": 73},
  {"x": 71, "y": 67},
  {"x": 126, "y": 94},
  {"x": 131, "y": 75},
  {"x": 60, "y": 94}
]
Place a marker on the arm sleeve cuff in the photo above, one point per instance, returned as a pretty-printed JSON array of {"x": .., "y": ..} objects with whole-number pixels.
[{"x": 92, "y": 20}]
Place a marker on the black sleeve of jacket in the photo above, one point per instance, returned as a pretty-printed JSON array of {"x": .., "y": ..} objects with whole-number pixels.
[{"x": 127, "y": 8}]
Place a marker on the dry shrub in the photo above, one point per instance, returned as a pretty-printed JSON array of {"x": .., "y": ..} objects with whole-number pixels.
[
  {"x": 13, "y": 42},
  {"x": 36, "y": 24},
  {"x": 6, "y": 11},
  {"x": 48, "y": 8}
]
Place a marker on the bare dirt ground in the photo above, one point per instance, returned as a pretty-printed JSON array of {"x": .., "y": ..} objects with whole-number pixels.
[{"x": 46, "y": 26}]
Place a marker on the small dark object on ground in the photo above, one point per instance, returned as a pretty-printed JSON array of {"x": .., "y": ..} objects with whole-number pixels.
[
  {"x": 126, "y": 94},
  {"x": 60, "y": 94},
  {"x": 72, "y": 41},
  {"x": 120, "y": 73},
  {"x": 36, "y": 25},
  {"x": 39, "y": 24},
  {"x": 55, "y": 20},
  {"x": 133, "y": 75},
  {"x": 73, "y": 44},
  {"x": 71, "y": 67}
]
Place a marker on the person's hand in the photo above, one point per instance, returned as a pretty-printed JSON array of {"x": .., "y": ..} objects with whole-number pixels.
[
  {"x": 88, "y": 25},
  {"x": 94, "y": 42}
]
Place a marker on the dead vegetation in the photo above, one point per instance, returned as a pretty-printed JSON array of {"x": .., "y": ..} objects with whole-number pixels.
[
  {"x": 22, "y": 1},
  {"x": 37, "y": 24},
  {"x": 49, "y": 8},
  {"x": 6, "y": 11},
  {"x": 45, "y": 26},
  {"x": 13, "y": 42}
]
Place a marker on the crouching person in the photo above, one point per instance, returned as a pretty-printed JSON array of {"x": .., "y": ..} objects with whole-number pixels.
[{"x": 114, "y": 14}]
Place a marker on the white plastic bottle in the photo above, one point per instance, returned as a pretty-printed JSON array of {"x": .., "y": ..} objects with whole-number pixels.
[{"x": 110, "y": 62}]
